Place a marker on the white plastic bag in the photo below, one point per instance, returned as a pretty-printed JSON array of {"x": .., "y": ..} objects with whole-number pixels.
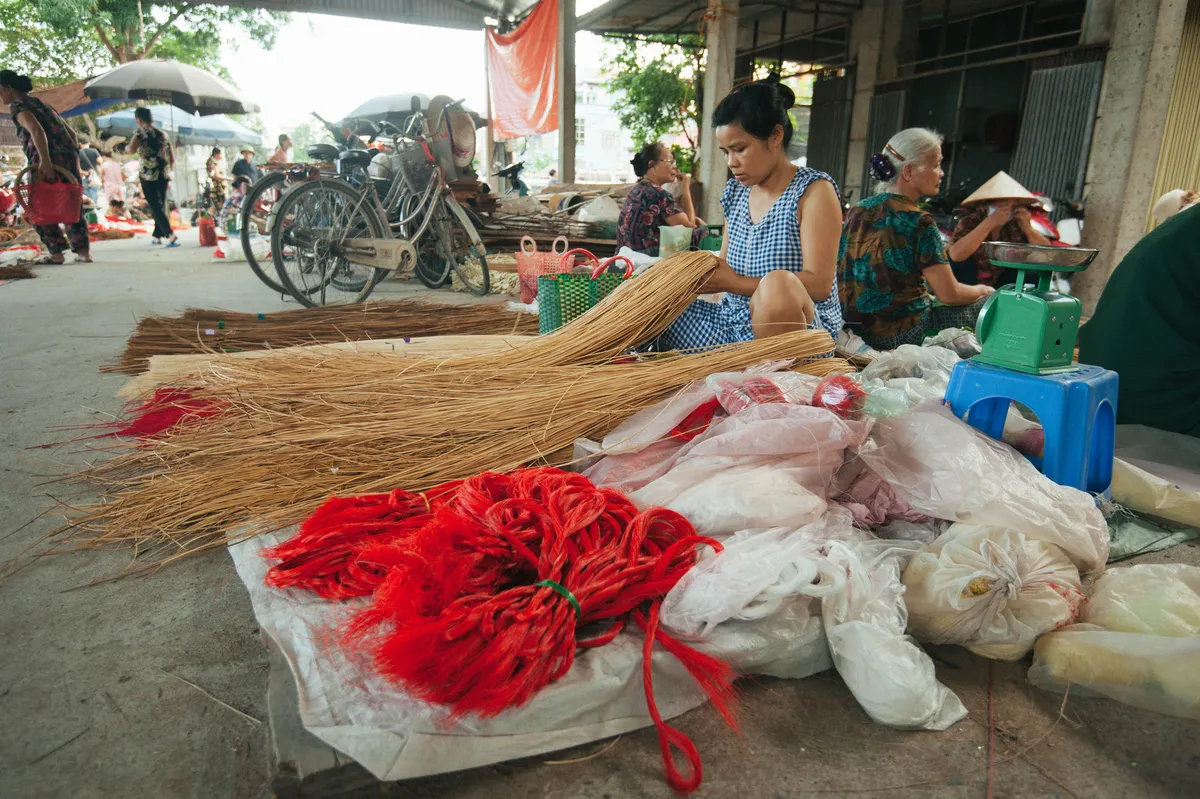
[
  {"x": 1149, "y": 598},
  {"x": 1140, "y": 645},
  {"x": 947, "y": 469},
  {"x": 1153, "y": 672},
  {"x": 768, "y": 466},
  {"x": 888, "y": 673},
  {"x": 601, "y": 209},
  {"x": 756, "y": 573},
  {"x": 991, "y": 590},
  {"x": 753, "y": 605}
]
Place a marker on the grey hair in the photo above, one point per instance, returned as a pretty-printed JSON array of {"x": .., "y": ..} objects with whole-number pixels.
[{"x": 912, "y": 144}]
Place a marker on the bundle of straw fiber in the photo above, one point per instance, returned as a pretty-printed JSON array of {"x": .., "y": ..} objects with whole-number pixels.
[
  {"x": 201, "y": 330},
  {"x": 295, "y": 430},
  {"x": 16, "y": 272}
]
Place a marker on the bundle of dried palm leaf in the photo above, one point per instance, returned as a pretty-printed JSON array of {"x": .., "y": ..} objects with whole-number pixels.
[
  {"x": 201, "y": 330},
  {"x": 294, "y": 430}
]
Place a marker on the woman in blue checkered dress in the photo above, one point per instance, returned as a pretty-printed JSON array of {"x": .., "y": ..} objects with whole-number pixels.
[{"x": 783, "y": 226}]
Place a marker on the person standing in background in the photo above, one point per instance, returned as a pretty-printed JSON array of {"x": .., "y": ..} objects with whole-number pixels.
[
  {"x": 280, "y": 156},
  {"x": 157, "y": 159},
  {"x": 48, "y": 142},
  {"x": 244, "y": 167},
  {"x": 113, "y": 179},
  {"x": 89, "y": 166},
  {"x": 553, "y": 177},
  {"x": 215, "y": 167}
]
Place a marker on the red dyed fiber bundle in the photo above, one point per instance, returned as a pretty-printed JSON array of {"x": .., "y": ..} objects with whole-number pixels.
[
  {"x": 840, "y": 394},
  {"x": 485, "y": 588}
]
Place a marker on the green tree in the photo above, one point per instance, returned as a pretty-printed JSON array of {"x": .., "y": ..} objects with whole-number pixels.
[
  {"x": 30, "y": 46},
  {"x": 62, "y": 40},
  {"x": 656, "y": 86}
]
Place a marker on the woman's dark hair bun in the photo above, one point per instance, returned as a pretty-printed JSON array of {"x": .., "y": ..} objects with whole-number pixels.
[
  {"x": 641, "y": 161},
  {"x": 783, "y": 93},
  {"x": 11, "y": 80},
  {"x": 759, "y": 107}
]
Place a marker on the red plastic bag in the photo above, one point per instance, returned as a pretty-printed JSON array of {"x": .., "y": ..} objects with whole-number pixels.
[{"x": 50, "y": 203}]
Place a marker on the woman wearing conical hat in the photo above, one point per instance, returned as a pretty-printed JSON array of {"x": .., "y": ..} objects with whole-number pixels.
[{"x": 999, "y": 210}]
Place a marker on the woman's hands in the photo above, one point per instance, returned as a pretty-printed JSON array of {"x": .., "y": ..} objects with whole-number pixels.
[
  {"x": 999, "y": 217},
  {"x": 725, "y": 280},
  {"x": 46, "y": 171}
]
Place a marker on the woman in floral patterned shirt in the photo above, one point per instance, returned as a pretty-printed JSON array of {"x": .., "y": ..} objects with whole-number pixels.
[
  {"x": 892, "y": 253},
  {"x": 48, "y": 142},
  {"x": 157, "y": 158},
  {"x": 648, "y": 205}
]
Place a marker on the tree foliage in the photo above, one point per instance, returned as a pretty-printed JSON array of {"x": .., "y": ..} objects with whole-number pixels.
[
  {"x": 32, "y": 47},
  {"x": 62, "y": 40},
  {"x": 657, "y": 89}
]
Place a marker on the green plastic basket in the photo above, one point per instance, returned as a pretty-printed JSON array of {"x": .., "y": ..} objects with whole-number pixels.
[{"x": 562, "y": 298}]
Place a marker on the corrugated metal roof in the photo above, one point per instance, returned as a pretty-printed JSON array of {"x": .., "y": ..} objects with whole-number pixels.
[{"x": 465, "y": 14}]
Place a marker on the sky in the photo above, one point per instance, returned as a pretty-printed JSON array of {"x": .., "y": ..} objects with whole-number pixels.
[{"x": 332, "y": 65}]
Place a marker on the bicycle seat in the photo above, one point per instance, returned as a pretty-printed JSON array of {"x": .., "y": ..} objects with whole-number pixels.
[
  {"x": 325, "y": 153},
  {"x": 356, "y": 158},
  {"x": 511, "y": 170}
]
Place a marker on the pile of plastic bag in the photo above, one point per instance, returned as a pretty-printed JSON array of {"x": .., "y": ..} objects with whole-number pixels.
[{"x": 847, "y": 532}]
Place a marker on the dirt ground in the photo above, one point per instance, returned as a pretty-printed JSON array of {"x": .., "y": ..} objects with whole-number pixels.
[{"x": 128, "y": 688}]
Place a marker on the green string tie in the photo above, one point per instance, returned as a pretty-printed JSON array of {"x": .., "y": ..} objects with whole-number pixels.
[{"x": 562, "y": 591}]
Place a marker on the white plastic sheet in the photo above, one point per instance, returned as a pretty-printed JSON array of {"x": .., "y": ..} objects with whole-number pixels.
[
  {"x": 888, "y": 673},
  {"x": 395, "y": 736},
  {"x": 944, "y": 468},
  {"x": 991, "y": 590}
]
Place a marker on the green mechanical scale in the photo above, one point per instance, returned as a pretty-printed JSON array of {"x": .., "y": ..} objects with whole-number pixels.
[{"x": 1031, "y": 328}]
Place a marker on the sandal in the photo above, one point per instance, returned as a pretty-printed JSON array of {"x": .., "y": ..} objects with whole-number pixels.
[
  {"x": 48, "y": 260},
  {"x": 84, "y": 259},
  {"x": 172, "y": 243}
]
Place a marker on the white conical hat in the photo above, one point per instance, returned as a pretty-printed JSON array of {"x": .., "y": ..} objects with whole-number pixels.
[{"x": 1000, "y": 187}]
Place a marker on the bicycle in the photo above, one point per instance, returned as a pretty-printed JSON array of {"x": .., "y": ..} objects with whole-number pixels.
[
  {"x": 330, "y": 242},
  {"x": 265, "y": 192}
]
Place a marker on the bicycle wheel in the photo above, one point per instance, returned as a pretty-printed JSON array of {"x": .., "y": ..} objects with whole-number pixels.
[
  {"x": 458, "y": 243},
  {"x": 260, "y": 202},
  {"x": 313, "y": 221}
]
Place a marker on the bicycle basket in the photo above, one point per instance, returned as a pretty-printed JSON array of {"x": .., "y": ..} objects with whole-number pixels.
[
  {"x": 532, "y": 264},
  {"x": 564, "y": 297}
]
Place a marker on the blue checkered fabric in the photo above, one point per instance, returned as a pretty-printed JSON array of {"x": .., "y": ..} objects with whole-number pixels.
[{"x": 753, "y": 250}]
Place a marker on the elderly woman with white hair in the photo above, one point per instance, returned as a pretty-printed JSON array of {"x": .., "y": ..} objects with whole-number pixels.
[{"x": 892, "y": 253}]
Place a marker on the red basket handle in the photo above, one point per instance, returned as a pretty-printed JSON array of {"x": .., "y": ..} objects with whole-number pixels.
[
  {"x": 566, "y": 245},
  {"x": 602, "y": 268},
  {"x": 34, "y": 175},
  {"x": 529, "y": 239},
  {"x": 566, "y": 264}
]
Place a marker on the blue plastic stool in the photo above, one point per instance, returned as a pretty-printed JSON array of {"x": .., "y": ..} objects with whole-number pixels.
[{"x": 1078, "y": 412}]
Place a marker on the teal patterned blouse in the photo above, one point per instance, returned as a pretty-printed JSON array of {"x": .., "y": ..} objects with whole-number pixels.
[{"x": 887, "y": 242}]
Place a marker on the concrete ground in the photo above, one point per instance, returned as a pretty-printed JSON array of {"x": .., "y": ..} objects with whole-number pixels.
[{"x": 136, "y": 688}]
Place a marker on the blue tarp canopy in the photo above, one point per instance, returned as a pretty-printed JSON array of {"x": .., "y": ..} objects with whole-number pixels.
[{"x": 186, "y": 128}]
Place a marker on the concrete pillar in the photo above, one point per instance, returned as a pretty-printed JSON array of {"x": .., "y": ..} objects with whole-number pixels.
[
  {"x": 718, "y": 82},
  {"x": 565, "y": 69},
  {"x": 869, "y": 28},
  {"x": 1097, "y": 24},
  {"x": 1134, "y": 98}
]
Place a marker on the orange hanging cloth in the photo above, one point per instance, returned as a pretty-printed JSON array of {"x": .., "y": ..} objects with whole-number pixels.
[{"x": 523, "y": 75}]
